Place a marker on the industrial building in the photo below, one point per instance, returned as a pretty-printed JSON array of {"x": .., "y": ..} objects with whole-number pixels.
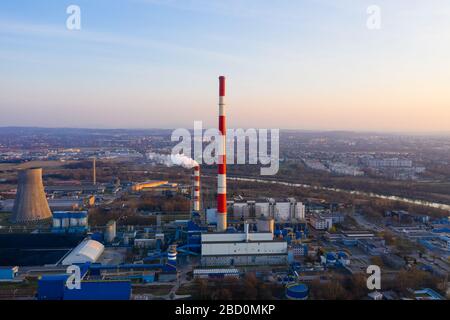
[
  {"x": 241, "y": 249},
  {"x": 147, "y": 185},
  {"x": 282, "y": 211},
  {"x": 320, "y": 222},
  {"x": 54, "y": 287},
  {"x": 56, "y": 204},
  {"x": 87, "y": 251},
  {"x": 8, "y": 273},
  {"x": 36, "y": 249},
  {"x": 216, "y": 273},
  {"x": 76, "y": 189}
]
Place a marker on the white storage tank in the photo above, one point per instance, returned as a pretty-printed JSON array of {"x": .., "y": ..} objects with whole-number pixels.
[
  {"x": 56, "y": 222},
  {"x": 110, "y": 232}
]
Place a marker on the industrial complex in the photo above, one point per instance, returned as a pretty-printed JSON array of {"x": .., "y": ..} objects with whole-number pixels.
[{"x": 284, "y": 242}]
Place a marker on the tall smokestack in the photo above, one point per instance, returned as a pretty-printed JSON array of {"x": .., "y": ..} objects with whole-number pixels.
[
  {"x": 196, "y": 206},
  {"x": 222, "y": 166},
  {"x": 94, "y": 172}
]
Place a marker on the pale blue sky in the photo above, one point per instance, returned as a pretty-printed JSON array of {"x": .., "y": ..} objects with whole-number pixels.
[{"x": 298, "y": 64}]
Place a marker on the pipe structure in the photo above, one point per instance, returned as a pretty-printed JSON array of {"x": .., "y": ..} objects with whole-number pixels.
[
  {"x": 222, "y": 165},
  {"x": 196, "y": 196}
]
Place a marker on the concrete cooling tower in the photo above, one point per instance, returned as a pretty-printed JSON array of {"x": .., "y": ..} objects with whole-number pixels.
[{"x": 31, "y": 204}]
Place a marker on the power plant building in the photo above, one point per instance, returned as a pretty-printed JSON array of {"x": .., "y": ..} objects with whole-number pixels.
[
  {"x": 223, "y": 248},
  {"x": 31, "y": 203},
  {"x": 242, "y": 249}
]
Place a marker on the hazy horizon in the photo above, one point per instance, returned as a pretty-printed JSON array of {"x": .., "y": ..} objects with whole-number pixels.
[
  {"x": 417, "y": 133},
  {"x": 297, "y": 65}
]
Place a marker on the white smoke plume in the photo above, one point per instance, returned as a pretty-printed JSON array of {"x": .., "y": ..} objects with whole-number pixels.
[{"x": 173, "y": 160}]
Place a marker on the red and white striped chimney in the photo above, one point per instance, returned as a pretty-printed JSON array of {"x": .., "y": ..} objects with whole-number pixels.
[
  {"x": 222, "y": 165},
  {"x": 196, "y": 194}
]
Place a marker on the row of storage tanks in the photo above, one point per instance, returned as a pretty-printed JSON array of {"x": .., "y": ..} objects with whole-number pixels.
[{"x": 67, "y": 219}]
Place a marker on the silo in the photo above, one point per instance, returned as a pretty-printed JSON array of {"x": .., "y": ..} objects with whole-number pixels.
[
  {"x": 265, "y": 224},
  {"x": 172, "y": 255},
  {"x": 110, "y": 233},
  {"x": 73, "y": 219},
  {"x": 82, "y": 219},
  {"x": 65, "y": 220},
  {"x": 31, "y": 204},
  {"x": 56, "y": 222}
]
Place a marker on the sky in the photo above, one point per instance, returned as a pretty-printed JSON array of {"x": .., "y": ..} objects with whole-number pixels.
[{"x": 290, "y": 64}]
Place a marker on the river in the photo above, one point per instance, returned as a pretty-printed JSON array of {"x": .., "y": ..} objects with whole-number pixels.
[{"x": 360, "y": 193}]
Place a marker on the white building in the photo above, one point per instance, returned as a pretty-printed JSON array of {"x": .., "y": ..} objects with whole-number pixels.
[
  {"x": 319, "y": 222},
  {"x": 233, "y": 249},
  {"x": 87, "y": 251}
]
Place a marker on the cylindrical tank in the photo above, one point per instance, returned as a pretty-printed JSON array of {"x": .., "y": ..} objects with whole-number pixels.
[
  {"x": 82, "y": 221},
  {"x": 266, "y": 225},
  {"x": 65, "y": 221},
  {"x": 56, "y": 223},
  {"x": 110, "y": 233},
  {"x": 331, "y": 257},
  {"x": 172, "y": 255},
  {"x": 73, "y": 221},
  {"x": 297, "y": 291}
]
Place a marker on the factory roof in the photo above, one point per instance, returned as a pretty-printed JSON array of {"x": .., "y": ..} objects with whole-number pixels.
[
  {"x": 359, "y": 233},
  {"x": 75, "y": 188},
  {"x": 245, "y": 254},
  {"x": 87, "y": 251},
  {"x": 215, "y": 271},
  {"x": 243, "y": 241}
]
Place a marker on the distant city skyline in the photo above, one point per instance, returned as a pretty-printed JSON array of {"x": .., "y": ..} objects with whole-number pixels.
[{"x": 304, "y": 65}]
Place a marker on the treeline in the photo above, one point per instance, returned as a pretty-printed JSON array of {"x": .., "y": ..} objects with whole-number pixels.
[
  {"x": 248, "y": 288},
  {"x": 354, "y": 287}
]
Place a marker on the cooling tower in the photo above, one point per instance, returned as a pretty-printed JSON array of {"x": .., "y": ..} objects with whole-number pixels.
[{"x": 31, "y": 204}]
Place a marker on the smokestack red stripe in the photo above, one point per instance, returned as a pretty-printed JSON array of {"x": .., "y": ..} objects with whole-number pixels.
[
  {"x": 222, "y": 86},
  {"x": 222, "y": 165}
]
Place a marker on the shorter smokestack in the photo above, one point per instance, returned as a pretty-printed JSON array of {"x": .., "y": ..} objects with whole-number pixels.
[
  {"x": 196, "y": 189},
  {"x": 94, "y": 172}
]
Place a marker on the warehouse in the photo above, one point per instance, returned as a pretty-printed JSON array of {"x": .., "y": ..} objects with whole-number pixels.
[{"x": 86, "y": 251}]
